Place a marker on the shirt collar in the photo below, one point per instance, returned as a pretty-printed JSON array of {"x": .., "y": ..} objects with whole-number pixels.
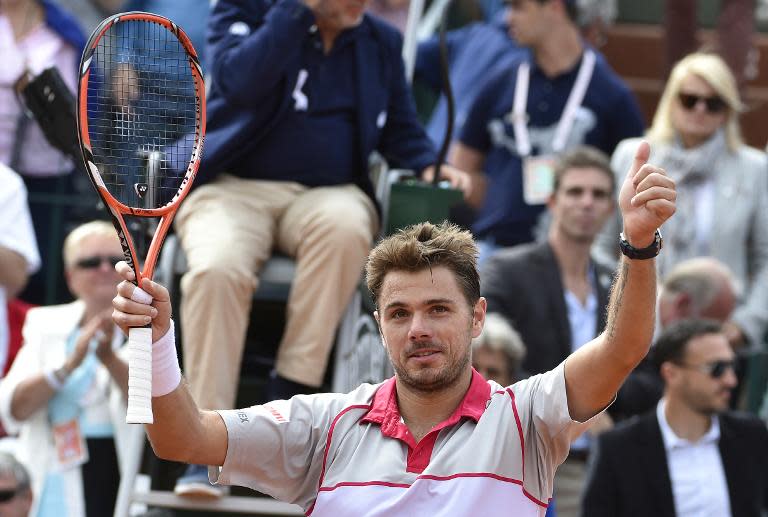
[
  {"x": 385, "y": 411},
  {"x": 672, "y": 441}
]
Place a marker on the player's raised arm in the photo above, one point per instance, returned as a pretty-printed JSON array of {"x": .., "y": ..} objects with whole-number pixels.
[
  {"x": 594, "y": 373},
  {"x": 181, "y": 431}
]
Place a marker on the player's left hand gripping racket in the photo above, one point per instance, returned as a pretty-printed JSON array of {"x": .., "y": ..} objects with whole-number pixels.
[{"x": 141, "y": 100}]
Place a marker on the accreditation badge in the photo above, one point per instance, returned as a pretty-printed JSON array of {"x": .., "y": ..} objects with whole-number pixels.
[
  {"x": 538, "y": 178},
  {"x": 71, "y": 449}
]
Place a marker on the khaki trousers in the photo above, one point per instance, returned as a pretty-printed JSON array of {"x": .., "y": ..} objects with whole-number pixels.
[{"x": 228, "y": 229}]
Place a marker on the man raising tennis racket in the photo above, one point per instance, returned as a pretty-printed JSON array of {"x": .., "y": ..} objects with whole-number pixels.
[
  {"x": 437, "y": 438},
  {"x": 302, "y": 92}
]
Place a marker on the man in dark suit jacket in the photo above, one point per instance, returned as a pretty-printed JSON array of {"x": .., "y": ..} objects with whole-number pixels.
[
  {"x": 688, "y": 457},
  {"x": 532, "y": 284},
  {"x": 554, "y": 294}
]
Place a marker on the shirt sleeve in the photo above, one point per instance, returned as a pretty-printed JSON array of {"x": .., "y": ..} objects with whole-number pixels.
[
  {"x": 17, "y": 232},
  {"x": 547, "y": 426},
  {"x": 278, "y": 448}
]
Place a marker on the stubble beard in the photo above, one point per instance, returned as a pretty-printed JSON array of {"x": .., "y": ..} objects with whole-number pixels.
[{"x": 429, "y": 380}]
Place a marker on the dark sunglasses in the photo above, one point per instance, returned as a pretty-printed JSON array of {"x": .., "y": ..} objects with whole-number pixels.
[
  {"x": 715, "y": 369},
  {"x": 8, "y": 494},
  {"x": 96, "y": 261},
  {"x": 713, "y": 104}
]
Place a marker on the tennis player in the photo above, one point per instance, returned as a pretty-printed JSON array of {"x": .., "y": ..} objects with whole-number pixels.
[{"x": 436, "y": 439}]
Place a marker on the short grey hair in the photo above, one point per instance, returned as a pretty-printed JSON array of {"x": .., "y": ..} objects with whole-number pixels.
[
  {"x": 591, "y": 10},
  {"x": 701, "y": 278},
  {"x": 11, "y": 467},
  {"x": 499, "y": 335}
]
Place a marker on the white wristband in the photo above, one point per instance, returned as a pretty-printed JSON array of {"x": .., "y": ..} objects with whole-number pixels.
[{"x": 166, "y": 373}]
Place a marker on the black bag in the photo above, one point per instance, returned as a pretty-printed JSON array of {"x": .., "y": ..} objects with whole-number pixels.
[{"x": 50, "y": 103}]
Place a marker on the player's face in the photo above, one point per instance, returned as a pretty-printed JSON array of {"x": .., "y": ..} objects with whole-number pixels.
[
  {"x": 427, "y": 326},
  {"x": 95, "y": 284},
  {"x": 700, "y": 390},
  {"x": 582, "y": 203}
]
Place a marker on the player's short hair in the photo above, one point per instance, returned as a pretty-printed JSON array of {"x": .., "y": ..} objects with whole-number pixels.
[
  {"x": 425, "y": 246},
  {"x": 80, "y": 233}
]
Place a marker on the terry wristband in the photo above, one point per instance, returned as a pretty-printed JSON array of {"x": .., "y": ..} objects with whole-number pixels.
[{"x": 166, "y": 373}]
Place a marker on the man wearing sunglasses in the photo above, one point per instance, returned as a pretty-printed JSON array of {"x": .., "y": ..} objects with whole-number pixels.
[
  {"x": 15, "y": 490},
  {"x": 689, "y": 456}
]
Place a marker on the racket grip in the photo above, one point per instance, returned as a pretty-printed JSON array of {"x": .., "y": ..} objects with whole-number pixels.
[{"x": 139, "y": 376}]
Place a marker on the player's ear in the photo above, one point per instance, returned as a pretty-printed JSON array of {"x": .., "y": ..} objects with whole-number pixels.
[{"x": 478, "y": 316}]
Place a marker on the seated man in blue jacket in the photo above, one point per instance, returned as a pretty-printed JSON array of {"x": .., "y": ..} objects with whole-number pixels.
[{"x": 301, "y": 94}]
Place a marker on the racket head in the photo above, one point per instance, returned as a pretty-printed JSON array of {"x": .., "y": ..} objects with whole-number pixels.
[{"x": 141, "y": 99}]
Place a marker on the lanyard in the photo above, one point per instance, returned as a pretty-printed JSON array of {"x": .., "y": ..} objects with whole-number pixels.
[{"x": 575, "y": 98}]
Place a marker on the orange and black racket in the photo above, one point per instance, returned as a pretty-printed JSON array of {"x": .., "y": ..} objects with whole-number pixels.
[{"x": 141, "y": 123}]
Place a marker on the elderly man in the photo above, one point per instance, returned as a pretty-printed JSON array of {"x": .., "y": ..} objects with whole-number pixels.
[{"x": 435, "y": 439}]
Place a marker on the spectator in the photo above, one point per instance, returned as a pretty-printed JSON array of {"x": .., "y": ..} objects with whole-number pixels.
[
  {"x": 64, "y": 393},
  {"x": 723, "y": 185},
  {"x": 701, "y": 287},
  {"x": 330, "y": 78},
  {"x": 15, "y": 489},
  {"x": 519, "y": 122},
  {"x": 18, "y": 250},
  {"x": 695, "y": 288},
  {"x": 498, "y": 352},
  {"x": 34, "y": 35},
  {"x": 476, "y": 49},
  {"x": 191, "y": 16},
  {"x": 555, "y": 293},
  {"x": 436, "y": 435},
  {"x": 689, "y": 456}
]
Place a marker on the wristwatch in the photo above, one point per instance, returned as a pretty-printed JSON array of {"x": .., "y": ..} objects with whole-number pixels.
[{"x": 648, "y": 252}]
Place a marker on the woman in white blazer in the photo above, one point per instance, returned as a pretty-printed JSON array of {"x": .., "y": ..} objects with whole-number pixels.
[
  {"x": 722, "y": 186},
  {"x": 65, "y": 390}
]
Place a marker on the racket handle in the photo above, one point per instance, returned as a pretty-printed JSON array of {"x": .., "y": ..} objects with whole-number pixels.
[{"x": 139, "y": 376}]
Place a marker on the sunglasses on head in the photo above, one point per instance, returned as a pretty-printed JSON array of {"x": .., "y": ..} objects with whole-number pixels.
[
  {"x": 715, "y": 369},
  {"x": 713, "y": 104},
  {"x": 96, "y": 261}
]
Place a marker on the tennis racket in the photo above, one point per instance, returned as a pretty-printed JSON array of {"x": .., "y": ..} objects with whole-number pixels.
[{"x": 141, "y": 124}]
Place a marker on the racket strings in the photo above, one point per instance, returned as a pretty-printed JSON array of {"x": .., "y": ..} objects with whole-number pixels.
[{"x": 142, "y": 111}]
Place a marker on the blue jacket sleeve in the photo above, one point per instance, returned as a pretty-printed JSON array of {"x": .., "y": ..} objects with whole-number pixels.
[
  {"x": 427, "y": 67},
  {"x": 251, "y": 42},
  {"x": 404, "y": 143}
]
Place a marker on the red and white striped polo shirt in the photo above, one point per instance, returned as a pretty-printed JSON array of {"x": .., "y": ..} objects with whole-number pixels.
[{"x": 351, "y": 454}]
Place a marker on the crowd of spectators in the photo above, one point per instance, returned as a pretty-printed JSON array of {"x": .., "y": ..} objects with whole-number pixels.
[{"x": 301, "y": 93}]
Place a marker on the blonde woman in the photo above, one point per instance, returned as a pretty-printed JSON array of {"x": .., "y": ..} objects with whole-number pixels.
[{"x": 722, "y": 186}]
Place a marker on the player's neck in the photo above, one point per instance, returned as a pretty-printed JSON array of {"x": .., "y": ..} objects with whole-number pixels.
[
  {"x": 560, "y": 51},
  {"x": 422, "y": 411},
  {"x": 686, "y": 423}
]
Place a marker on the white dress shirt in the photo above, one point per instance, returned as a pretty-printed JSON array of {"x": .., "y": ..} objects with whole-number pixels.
[{"x": 699, "y": 487}]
